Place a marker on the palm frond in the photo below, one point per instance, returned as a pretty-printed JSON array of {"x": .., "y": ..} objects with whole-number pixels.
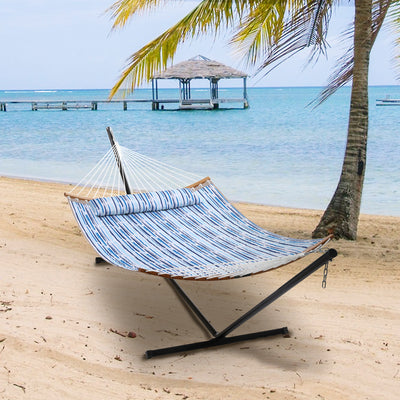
[
  {"x": 208, "y": 15},
  {"x": 276, "y": 30},
  {"x": 394, "y": 24},
  {"x": 260, "y": 29},
  {"x": 340, "y": 77},
  {"x": 122, "y": 10},
  {"x": 295, "y": 33},
  {"x": 343, "y": 72},
  {"x": 318, "y": 29},
  {"x": 314, "y": 22}
]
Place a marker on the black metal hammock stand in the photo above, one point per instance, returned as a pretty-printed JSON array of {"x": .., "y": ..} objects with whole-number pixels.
[{"x": 186, "y": 232}]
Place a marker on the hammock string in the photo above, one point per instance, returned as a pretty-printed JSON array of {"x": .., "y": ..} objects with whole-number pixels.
[
  {"x": 156, "y": 179},
  {"x": 142, "y": 173}
]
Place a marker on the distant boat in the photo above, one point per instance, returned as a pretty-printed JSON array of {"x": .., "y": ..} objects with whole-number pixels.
[{"x": 388, "y": 101}]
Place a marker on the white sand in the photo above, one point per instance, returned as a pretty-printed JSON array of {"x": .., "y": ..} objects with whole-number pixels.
[{"x": 57, "y": 309}]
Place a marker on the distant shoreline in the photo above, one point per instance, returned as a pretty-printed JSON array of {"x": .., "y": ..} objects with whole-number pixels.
[{"x": 149, "y": 88}]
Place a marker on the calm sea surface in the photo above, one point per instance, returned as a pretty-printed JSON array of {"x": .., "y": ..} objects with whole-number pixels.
[{"x": 277, "y": 152}]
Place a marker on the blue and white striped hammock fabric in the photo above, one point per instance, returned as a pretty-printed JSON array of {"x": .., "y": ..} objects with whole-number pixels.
[{"x": 198, "y": 236}]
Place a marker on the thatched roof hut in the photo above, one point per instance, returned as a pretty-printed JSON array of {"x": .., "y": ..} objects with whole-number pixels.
[{"x": 199, "y": 67}]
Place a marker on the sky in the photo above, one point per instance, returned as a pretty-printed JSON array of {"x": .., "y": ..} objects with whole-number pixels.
[{"x": 69, "y": 44}]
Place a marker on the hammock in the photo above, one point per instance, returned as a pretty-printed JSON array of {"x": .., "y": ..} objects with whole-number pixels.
[{"x": 142, "y": 215}]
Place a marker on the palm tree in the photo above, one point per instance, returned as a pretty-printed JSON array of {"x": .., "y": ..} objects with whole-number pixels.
[
  {"x": 342, "y": 214},
  {"x": 268, "y": 32}
]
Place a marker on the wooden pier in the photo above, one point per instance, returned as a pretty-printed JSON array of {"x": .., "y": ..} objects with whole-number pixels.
[
  {"x": 93, "y": 105},
  {"x": 66, "y": 105},
  {"x": 199, "y": 67},
  {"x": 207, "y": 104}
]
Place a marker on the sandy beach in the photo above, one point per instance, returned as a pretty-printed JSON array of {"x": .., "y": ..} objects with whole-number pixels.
[{"x": 61, "y": 316}]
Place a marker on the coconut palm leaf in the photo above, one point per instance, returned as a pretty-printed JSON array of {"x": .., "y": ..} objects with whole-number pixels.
[
  {"x": 394, "y": 24},
  {"x": 208, "y": 15},
  {"x": 260, "y": 29},
  {"x": 122, "y": 10},
  {"x": 276, "y": 30},
  {"x": 343, "y": 72},
  {"x": 319, "y": 24},
  {"x": 317, "y": 17}
]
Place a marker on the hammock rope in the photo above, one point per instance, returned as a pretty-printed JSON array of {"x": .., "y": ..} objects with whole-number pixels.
[{"x": 143, "y": 173}]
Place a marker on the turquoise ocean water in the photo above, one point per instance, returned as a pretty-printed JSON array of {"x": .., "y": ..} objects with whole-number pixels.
[{"x": 277, "y": 152}]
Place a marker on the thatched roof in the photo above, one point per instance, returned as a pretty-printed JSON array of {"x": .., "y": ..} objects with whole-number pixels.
[{"x": 200, "y": 68}]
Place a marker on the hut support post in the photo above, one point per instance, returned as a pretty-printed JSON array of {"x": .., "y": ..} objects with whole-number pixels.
[
  {"x": 184, "y": 89},
  {"x": 154, "y": 92},
  {"x": 245, "y": 102},
  {"x": 155, "y": 105},
  {"x": 214, "y": 93}
]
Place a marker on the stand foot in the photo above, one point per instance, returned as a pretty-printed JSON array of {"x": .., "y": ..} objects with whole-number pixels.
[{"x": 216, "y": 342}]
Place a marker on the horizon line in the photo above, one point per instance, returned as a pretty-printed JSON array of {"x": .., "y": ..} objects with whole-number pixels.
[{"x": 149, "y": 88}]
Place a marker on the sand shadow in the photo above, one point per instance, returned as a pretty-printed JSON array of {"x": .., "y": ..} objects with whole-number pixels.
[{"x": 148, "y": 305}]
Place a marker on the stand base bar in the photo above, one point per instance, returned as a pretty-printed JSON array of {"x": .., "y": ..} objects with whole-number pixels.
[{"x": 215, "y": 342}]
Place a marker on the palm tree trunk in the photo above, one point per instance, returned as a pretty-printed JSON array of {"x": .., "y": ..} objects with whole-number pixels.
[{"x": 342, "y": 214}]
